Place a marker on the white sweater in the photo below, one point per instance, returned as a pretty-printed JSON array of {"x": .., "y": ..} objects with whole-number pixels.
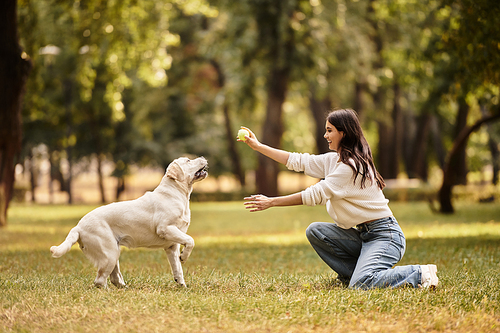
[{"x": 346, "y": 202}]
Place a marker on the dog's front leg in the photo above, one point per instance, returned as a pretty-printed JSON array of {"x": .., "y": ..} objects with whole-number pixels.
[
  {"x": 175, "y": 263},
  {"x": 172, "y": 233}
]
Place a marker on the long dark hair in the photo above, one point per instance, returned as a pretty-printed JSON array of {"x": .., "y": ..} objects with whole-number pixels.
[{"x": 354, "y": 147}]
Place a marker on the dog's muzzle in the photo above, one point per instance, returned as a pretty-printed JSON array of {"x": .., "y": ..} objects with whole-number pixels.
[{"x": 202, "y": 173}]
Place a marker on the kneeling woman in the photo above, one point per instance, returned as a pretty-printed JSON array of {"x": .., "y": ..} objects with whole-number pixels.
[{"x": 365, "y": 242}]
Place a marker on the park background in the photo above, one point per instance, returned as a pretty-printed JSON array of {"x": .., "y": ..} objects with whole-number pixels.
[
  {"x": 117, "y": 87},
  {"x": 98, "y": 97}
]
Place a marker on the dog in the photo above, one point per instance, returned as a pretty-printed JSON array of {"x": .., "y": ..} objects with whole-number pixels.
[{"x": 158, "y": 219}]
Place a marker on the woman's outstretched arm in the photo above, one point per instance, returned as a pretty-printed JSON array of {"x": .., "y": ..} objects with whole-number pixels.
[
  {"x": 260, "y": 202},
  {"x": 278, "y": 155}
]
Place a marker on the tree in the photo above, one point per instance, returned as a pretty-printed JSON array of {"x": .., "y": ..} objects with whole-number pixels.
[
  {"x": 77, "y": 102},
  {"x": 147, "y": 81},
  {"x": 233, "y": 152},
  {"x": 14, "y": 69},
  {"x": 279, "y": 43},
  {"x": 277, "y": 86},
  {"x": 275, "y": 32},
  {"x": 449, "y": 175},
  {"x": 471, "y": 38},
  {"x": 474, "y": 35}
]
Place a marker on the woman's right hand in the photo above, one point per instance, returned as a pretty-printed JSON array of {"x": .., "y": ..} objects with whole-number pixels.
[{"x": 251, "y": 139}]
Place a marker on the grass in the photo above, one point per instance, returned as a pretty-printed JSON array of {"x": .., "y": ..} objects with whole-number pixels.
[{"x": 249, "y": 272}]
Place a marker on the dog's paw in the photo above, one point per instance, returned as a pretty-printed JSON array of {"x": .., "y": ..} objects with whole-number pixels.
[
  {"x": 181, "y": 283},
  {"x": 119, "y": 285},
  {"x": 182, "y": 258},
  {"x": 101, "y": 286}
]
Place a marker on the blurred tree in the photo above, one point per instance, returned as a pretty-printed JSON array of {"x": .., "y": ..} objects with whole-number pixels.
[
  {"x": 392, "y": 77},
  {"x": 144, "y": 82},
  {"x": 473, "y": 35},
  {"x": 87, "y": 60},
  {"x": 270, "y": 41},
  {"x": 14, "y": 69},
  {"x": 493, "y": 144},
  {"x": 471, "y": 38},
  {"x": 449, "y": 175},
  {"x": 183, "y": 116},
  {"x": 276, "y": 38},
  {"x": 233, "y": 152}
]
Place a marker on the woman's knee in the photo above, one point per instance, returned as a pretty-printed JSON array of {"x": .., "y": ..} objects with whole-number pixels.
[{"x": 312, "y": 231}]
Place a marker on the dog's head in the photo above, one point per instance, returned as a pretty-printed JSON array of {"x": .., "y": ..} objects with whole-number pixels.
[{"x": 188, "y": 171}]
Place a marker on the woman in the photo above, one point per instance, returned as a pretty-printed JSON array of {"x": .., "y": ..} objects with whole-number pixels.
[{"x": 365, "y": 242}]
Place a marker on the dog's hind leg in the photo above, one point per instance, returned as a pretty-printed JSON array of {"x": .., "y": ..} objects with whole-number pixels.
[
  {"x": 106, "y": 260},
  {"x": 103, "y": 271},
  {"x": 175, "y": 263},
  {"x": 116, "y": 277}
]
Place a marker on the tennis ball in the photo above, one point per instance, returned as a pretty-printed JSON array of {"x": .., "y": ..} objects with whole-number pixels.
[{"x": 241, "y": 134}]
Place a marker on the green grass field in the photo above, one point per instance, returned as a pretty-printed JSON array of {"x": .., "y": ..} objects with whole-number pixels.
[{"x": 249, "y": 272}]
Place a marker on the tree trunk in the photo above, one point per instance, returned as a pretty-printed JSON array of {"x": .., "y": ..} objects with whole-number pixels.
[
  {"x": 267, "y": 170},
  {"x": 68, "y": 86},
  {"x": 14, "y": 71},
  {"x": 409, "y": 135},
  {"x": 96, "y": 142},
  {"x": 385, "y": 126},
  {"x": 384, "y": 148},
  {"x": 438, "y": 142},
  {"x": 459, "y": 159},
  {"x": 52, "y": 177},
  {"x": 418, "y": 166},
  {"x": 230, "y": 135},
  {"x": 495, "y": 159},
  {"x": 359, "y": 104},
  {"x": 391, "y": 133},
  {"x": 449, "y": 175},
  {"x": 495, "y": 153},
  {"x": 32, "y": 171},
  {"x": 278, "y": 54},
  {"x": 120, "y": 187},
  {"x": 319, "y": 110},
  {"x": 397, "y": 135},
  {"x": 101, "y": 178},
  {"x": 233, "y": 152}
]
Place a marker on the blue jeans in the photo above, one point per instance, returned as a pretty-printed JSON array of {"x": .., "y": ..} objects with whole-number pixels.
[{"x": 364, "y": 257}]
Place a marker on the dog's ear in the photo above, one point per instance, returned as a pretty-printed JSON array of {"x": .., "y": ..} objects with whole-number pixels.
[{"x": 175, "y": 171}]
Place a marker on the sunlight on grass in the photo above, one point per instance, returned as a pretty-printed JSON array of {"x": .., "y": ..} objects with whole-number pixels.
[
  {"x": 453, "y": 230},
  {"x": 278, "y": 239},
  {"x": 249, "y": 272}
]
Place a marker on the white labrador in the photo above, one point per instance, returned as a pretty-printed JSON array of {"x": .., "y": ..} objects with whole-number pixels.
[{"x": 158, "y": 219}]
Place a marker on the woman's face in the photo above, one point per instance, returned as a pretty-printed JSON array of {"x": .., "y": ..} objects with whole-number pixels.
[{"x": 333, "y": 136}]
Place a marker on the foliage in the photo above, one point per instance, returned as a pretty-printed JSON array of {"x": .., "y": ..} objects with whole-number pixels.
[
  {"x": 474, "y": 35},
  {"x": 249, "y": 272},
  {"x": 88, "y": 57},
  {"x": 136, "y": 81}
]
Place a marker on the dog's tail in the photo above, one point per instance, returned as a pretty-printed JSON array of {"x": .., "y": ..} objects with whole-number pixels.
[{"x": 72, "y": 238}]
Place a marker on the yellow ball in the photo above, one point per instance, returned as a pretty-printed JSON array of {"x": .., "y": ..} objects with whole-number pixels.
[{"x": 241, "y": 134}]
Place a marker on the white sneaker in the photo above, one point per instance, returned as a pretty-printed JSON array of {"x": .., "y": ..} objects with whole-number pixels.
[{"x": 429, "y": 276}]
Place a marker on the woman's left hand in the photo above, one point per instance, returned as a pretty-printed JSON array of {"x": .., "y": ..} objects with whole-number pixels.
[{"x": 258, "y": 202}]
